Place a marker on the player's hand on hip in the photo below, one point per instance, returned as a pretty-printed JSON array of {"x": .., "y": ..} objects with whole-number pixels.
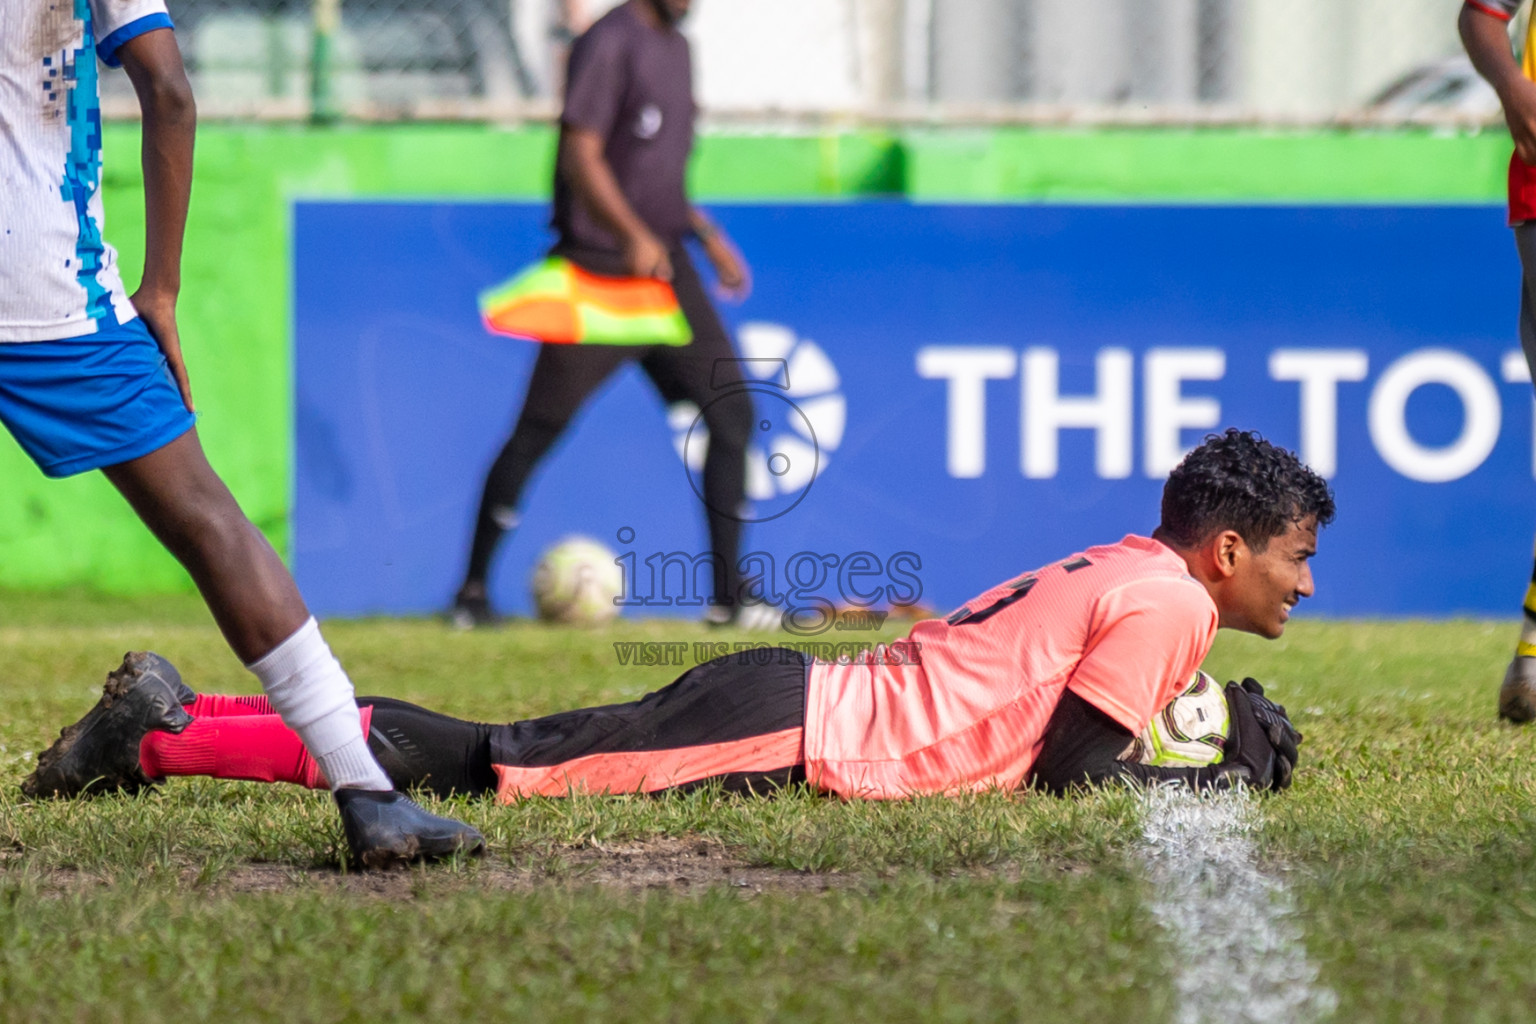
[
  {"x": 1520, "y": 114},
  {"x": 730, "y": 268},
  {"x": 645, "y": 256},
  {"x": 158, "y": 311}
]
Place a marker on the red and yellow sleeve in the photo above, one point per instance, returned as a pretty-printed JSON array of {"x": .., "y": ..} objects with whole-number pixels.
[
  {"x": 1493, "y": 9},
  {"x": 1149, "y": 637}
]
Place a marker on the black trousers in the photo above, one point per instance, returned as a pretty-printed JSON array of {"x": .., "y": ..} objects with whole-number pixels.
[
  {"x": 728, "y": 718},
  {"x": 706, "y": 372}
]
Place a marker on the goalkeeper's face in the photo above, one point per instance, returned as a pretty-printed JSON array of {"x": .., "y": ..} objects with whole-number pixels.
[{"x": 1266, "y": 585}]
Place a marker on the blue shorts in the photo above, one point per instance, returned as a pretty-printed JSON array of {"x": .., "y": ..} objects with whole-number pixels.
[{"x": 84, "y": 403}]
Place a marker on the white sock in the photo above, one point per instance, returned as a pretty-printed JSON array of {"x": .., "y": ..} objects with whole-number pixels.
[{"x": 310, "y": 690}]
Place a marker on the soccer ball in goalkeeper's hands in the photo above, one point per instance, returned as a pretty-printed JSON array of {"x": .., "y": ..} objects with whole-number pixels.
[
  {"x": 1190, "y": 732},
  {"x": 577, "y": 582}
]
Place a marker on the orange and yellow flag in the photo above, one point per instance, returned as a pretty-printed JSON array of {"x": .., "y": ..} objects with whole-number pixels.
[{"x": 557, "y": 302}]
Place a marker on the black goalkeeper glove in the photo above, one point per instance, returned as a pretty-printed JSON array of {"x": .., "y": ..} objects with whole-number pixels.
[
  {"x": 1261, "y": 741},
  {"x": 1282, "y": 734}
]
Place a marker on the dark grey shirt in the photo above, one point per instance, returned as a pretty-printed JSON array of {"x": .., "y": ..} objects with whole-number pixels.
[{"x": 633, "y": 85}]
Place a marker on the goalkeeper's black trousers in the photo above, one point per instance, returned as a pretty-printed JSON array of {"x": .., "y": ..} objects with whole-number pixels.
[{"x": 736, "y": 721}]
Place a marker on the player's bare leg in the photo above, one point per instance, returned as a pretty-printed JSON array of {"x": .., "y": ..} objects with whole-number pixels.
[
  {"x": 187, "y": 507},
  {"x": 257, "y": 606}
]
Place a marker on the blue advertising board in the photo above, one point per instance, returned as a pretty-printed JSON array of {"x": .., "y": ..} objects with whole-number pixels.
[{"x": 947, "y": 396}]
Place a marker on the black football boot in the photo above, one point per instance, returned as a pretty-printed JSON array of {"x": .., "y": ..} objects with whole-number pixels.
[
  {"x": 388, "y": 829},
  {"x": 100, "y": 753}
]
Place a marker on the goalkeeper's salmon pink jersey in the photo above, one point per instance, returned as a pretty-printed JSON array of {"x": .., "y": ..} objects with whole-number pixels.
[
  {"x": 1522, "y": 176},
  {"x": 961, "y": 704}
]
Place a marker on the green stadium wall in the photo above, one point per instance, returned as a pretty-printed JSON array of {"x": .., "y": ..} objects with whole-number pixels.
[{"x": 234, "y": 312}]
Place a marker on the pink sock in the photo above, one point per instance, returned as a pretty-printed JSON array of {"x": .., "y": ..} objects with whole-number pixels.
[
  {"x": 217, "y": 705},
  {"x": 251, "y": 747}
]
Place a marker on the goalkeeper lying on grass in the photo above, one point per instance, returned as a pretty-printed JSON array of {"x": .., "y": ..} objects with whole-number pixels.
[{"x": 1045, "y": 679}]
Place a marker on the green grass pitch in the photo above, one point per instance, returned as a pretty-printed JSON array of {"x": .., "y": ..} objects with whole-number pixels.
[{"x": 1408, "y": 845}]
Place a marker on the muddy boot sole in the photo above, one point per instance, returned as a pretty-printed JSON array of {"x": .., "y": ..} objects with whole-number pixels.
[{"x": 100, "y": 753}]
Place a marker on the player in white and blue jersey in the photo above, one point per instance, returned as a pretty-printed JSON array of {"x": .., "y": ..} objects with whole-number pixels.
[{"x": 92, "y": 377}]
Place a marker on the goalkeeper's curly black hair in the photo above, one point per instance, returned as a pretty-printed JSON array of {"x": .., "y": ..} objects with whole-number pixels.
[{"x": 1239, "y": 481}]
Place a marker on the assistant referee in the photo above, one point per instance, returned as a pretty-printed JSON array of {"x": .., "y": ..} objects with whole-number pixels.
[{"x": 621, "y": 209}]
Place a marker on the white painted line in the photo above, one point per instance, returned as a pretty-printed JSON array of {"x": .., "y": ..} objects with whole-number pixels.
[{"x": 1236, "y": 943}]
